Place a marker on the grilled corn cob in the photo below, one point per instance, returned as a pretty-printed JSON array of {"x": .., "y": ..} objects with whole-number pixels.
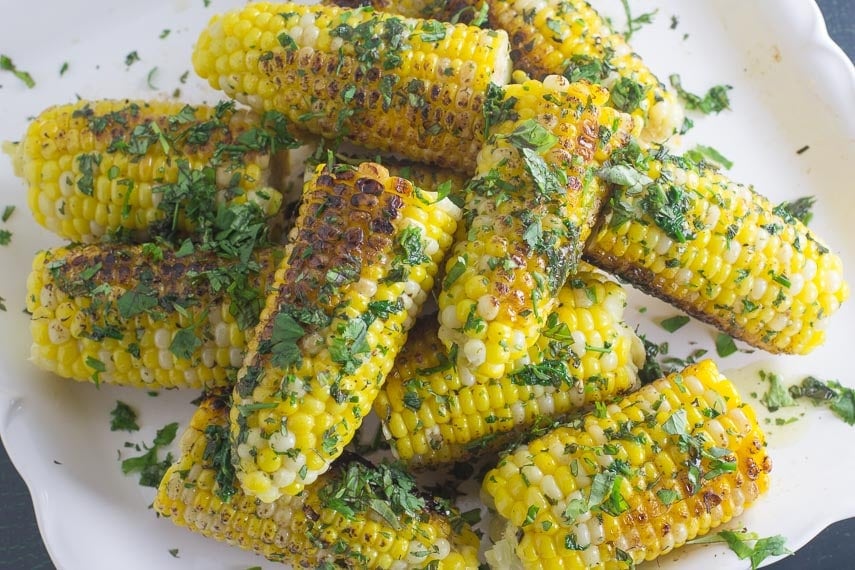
[
  {"x": 363, "y": 259},
  {"x": 586, "y": 354},
  {"x": 348, "y": 518},
  {"x": 662, "y": 466},
  {"x": 99, "y": 168},
  {"x": 528, "y": 212},
  {"x": 142, "y": 316},
  {"x": 569, "y": 38},
  {"x": 719, "y": 251},
  {"x": 381, "y": 81}
]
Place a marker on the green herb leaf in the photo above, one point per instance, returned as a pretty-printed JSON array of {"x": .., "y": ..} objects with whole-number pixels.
[
  {"x": 777, "y": 396},
  {"x": 714, "y": 101},
  {"x": 724, "y": 345},
  {"x": 838, "y": 398},
  {"x": 286, "y": 333},
  {"x": 626, "y": 95},
  {"x": 6, "y": 64},
  {"x": 124, "y": 418},
  {"x": 668, "y": 496},
  {"x": 7, "y": 213},
  {"x": 799, "y": 209},
  {"x": 633, "y": 24},
  {"x": 532, "y": 135},
  {"x": 708, "y": 154},
  {"x": 677, "y": 424},
  {"x": 673, "y": 324},
  {"x": 135, "y": 302}
]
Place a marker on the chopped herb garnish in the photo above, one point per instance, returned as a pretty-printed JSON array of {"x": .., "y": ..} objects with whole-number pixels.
[
  {"x": 673, "y": 324},
  {"x": 5, "y": 237},
  {"x": 286, "y": 332},
  {"x": 703, "y": 153},
  {"x": 724, "y": 345},
  {"x": 777, "y": 396},
  {"x": 633, "y": 24},
  {"x": 174, "y": 552},
  {"x": 627, "y": 95},
  {"x": 149, "y": 79},
  {"x": 97, "y": 367},
  {"x": 799, "y": 209},
  {"x": 124, "y": 418},
  {"x": 838, "y": 398},
  {"x": 668, "y": 496},
  {"x": 165, "y": 33},
  {"x": 714, "y": 101},
  {"x": 6, "y": 64},
  {"x": 131, "y": 58},
  {"x": 63, "y": 68},
  {"x": 738, "y": 542},
  {"x": 7, "y": 213},
  {"x": 151, "y": 470}
]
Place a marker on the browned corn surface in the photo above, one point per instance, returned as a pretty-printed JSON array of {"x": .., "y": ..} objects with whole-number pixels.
[
  {"x": 331, "y": 522},
  {"x": 365, "y": 250},
  {"x": 145, "y": 318},
  {"x": 134, "y": 169},
  {"x": 723, "y": 254},
  {"x": 381, "y": 81},
  {"x": 528, "y": 212},
  {"x": 587, "y": 354},
  {"x": 634, "y": 480}
]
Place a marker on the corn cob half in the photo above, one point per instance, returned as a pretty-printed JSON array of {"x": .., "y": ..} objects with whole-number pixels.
[
  {"x": 717, "y": 250},
  {"x": 134, "y": 169},
  {"x": 365, "y": 252},
  {"x": 143, "y": 316},
  {"x": 586, "y": 354},
  {"x": 629, "y": 483},
  {"x": 381, "y": 81},
  {"x": 569, "y": 38},
  {"x": 348, "y": 518},
  {"x": 529, "y": 210}
]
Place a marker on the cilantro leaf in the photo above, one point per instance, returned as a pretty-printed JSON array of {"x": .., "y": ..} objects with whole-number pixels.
[
  {"x": 135, "y": 302},
  {"x": 799, "y": 209},
  {"x": 532, "y": 135},
  {"x": 724, "y": 345},
  {"x": 708, "y": 154},
  {"x": 838, "y": 398}
]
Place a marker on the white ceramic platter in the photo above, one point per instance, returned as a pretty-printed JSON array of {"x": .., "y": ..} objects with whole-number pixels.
[{"x": 792, "y": 87}]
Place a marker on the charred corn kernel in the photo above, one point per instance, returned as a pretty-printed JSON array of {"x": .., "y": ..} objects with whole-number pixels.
[
  {"x": 722, "y": 253},
  {"x": 569, "y": 38},
  {"x": 534, "y": 200},
  {"x": 97, "y": 169},
  {"x": 381, "y": 81},
  {"x": 626, "y": 510},
  {"x": 330, "y": 523},
  {"x": 326, "y": 340},
  {"x": 572, "y": 365},
  {"x": 108, "y": 314}
]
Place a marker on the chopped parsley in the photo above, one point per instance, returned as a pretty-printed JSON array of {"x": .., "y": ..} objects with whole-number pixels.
[
  {"x": 800, "y": 209},
  {"x": 386, "y": 490},
  {"x": 5, "y": 237},
  {"x": 626, "y": 95},
  {"x": 738, "y": 541},
  {"x": 635, "y": 23},
  {"x": 63, "y": 68},
  {"x": 715, "y": 100},
  {"x": 673, "y": 324},
  {"x": 131, "y": 58},
  {"x": 702, "y": 153},
  {"x": 724, "y": 345},
  {"x": 124, "y": 418},
  {"x": 148, "y": 465},
  {"x": 838, "y": 398},
  {"x": 217, "y": 455},
  {"x": 6, "y": 64},
  {"x": 7, "y": 213},
  {"x": 777, "y": 396},
  {"x": 286, "y": 332}
]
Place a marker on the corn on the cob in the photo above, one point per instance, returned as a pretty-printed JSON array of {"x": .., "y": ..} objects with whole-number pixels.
[
  {"x": 348, "y": 518},
  {"x": 142, "y": 316},
  {"x": 140, "y": 168},
  {"x": 630, "y": 483},
  {"x": 363, "y": 259},
  {"x": 569, "y": 38},
  {"x": 586, "y": 354},
  {"x": 719, "y": 251},
  {"x": 528, "y": 212},
  {"x": 384, "y": 82}
]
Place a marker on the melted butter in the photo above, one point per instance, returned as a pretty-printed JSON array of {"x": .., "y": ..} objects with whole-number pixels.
[{"x": 752, "y": 387}]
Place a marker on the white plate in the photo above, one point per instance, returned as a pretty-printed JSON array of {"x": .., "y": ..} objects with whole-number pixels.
[{"x": 792, "y": 87}]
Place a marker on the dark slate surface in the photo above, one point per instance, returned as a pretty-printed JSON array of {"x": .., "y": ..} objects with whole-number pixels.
[{"x": 21, "y": 547}]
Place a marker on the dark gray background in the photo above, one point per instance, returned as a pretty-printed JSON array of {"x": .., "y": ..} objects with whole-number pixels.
[{"x": 21, "y": 546}]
